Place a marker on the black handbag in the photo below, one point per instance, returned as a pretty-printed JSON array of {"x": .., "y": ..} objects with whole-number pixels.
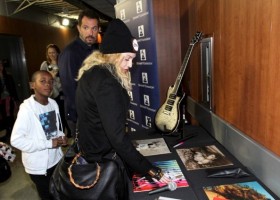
[
  {"x": 74, "y": 178},
  {"x": 5, "y": 170}
]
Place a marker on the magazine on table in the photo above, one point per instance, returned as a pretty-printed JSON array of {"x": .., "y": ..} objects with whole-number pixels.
[
  {"x": 247, "y": 190},
  {"x": 169, "y": 167},
  {"x": 150, "y": 147},
  {"x": 203, "y": 157}
]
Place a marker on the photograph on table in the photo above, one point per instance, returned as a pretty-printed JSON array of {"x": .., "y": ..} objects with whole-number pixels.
[
  {"x": 203, "y": 157},
  {"x": 151, "y": 147},
  {"x": 247, "y": 190},
  {"x": 169, "y": 167}
]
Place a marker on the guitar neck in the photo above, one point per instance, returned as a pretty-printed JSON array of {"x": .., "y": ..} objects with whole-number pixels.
[{"x": 182, "y": 69}]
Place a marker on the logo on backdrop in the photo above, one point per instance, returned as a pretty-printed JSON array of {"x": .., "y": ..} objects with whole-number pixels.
[
  {"x": 148, "y": 121},
  {"x": 122, "y": 14},
  {"x": 131, "y": 114},
  {"x": 132, "y": 129},
  {"x": 130, "y": 94},
  {"x": 139, "y": 7},
  {"x": 143, "y": 54},
  {"x": 145, "y": 77},
  {"x": 141, "y": 31},
  {"x": 146, "y": 100}
]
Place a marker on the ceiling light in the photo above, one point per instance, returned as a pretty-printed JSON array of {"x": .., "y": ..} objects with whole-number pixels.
[{"x": 65, "y": 22}]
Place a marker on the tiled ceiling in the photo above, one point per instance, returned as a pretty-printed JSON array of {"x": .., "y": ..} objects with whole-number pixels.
[{"x": 67, "y": 8}]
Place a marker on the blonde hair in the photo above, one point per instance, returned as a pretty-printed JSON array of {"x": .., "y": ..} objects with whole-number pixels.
[{"x": 109, "y": 61}]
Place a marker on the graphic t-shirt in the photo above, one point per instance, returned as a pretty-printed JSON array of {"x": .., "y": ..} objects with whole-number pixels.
[
  {"x": 47, "y": 117},
  {"x": 48, "y": 122}
]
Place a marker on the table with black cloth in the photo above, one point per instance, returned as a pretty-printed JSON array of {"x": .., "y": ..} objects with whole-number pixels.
[{"x": 197, "y": 179}]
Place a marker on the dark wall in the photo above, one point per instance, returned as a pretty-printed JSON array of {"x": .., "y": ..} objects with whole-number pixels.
[{"x": 35, "y": 37}]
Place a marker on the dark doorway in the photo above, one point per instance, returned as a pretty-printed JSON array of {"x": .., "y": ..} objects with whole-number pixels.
[{"x": 12, "y": 50}]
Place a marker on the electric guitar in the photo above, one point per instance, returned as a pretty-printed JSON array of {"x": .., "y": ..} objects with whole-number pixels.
[{"x": 167, "y": 117}]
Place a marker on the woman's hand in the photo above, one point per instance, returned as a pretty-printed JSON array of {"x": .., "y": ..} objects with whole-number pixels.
[
  {"x": 165, "y": 179},
  {"x": 157, "y": 175}
]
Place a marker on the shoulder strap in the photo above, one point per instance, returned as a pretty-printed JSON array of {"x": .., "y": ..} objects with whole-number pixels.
[{"x": 76, "y": 141}]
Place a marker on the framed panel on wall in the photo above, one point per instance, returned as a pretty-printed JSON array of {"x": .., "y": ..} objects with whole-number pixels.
[{"x": 206, "y": 48}]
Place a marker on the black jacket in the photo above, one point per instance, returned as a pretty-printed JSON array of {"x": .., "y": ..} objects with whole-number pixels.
[
  {"x": 102, "y": 105},
  {"x": 69, "y": 63}
]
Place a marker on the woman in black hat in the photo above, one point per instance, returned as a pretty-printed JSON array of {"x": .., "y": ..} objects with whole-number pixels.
[{"x": 102, "y": 102}]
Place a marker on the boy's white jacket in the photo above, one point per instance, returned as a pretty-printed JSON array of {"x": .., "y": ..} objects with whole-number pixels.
[{"x": 29, "y": 137}]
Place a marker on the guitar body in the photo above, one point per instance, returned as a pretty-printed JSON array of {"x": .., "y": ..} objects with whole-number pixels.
[{"x": 167, "y": 117}]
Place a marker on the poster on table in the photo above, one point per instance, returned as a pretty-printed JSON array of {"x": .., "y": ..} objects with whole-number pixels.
[
  {"x": 169, "y": 167},
  {"x": 246, "y": 190},
  {"x": 203, "y": 157},
  {"x": 151, "y": 147}
]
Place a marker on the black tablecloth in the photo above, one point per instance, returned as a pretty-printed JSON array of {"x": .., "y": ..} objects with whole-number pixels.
[{"x": 197, "y": 179}]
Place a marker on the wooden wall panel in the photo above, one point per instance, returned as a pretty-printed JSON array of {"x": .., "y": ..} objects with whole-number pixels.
[
  {"x": 246, "y": 57},
  {"x": 272, "y": 69},
  {"x": 167, "y": 34}
]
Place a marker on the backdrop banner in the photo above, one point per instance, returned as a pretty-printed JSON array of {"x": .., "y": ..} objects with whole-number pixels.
[{"x": 138, "y": 16}]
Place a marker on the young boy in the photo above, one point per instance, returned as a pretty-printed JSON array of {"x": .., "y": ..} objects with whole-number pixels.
[{"x": 37, "y": 133}]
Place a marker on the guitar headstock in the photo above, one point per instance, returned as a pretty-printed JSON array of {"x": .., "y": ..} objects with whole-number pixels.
[{"x": 196, "y": 38}]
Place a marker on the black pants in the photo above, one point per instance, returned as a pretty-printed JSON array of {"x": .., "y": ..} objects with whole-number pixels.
[{"x": 42, "y": 183}]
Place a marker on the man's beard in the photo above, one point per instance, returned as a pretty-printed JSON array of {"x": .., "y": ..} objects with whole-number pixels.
[{"x": 91, "y": 41}]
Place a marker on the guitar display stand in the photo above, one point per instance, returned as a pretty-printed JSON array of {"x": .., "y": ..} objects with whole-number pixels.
[
  {"x": 184, "y": 131},
  {"x": 183, "y": 121},
  {"x": 181, "y": 129}
]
